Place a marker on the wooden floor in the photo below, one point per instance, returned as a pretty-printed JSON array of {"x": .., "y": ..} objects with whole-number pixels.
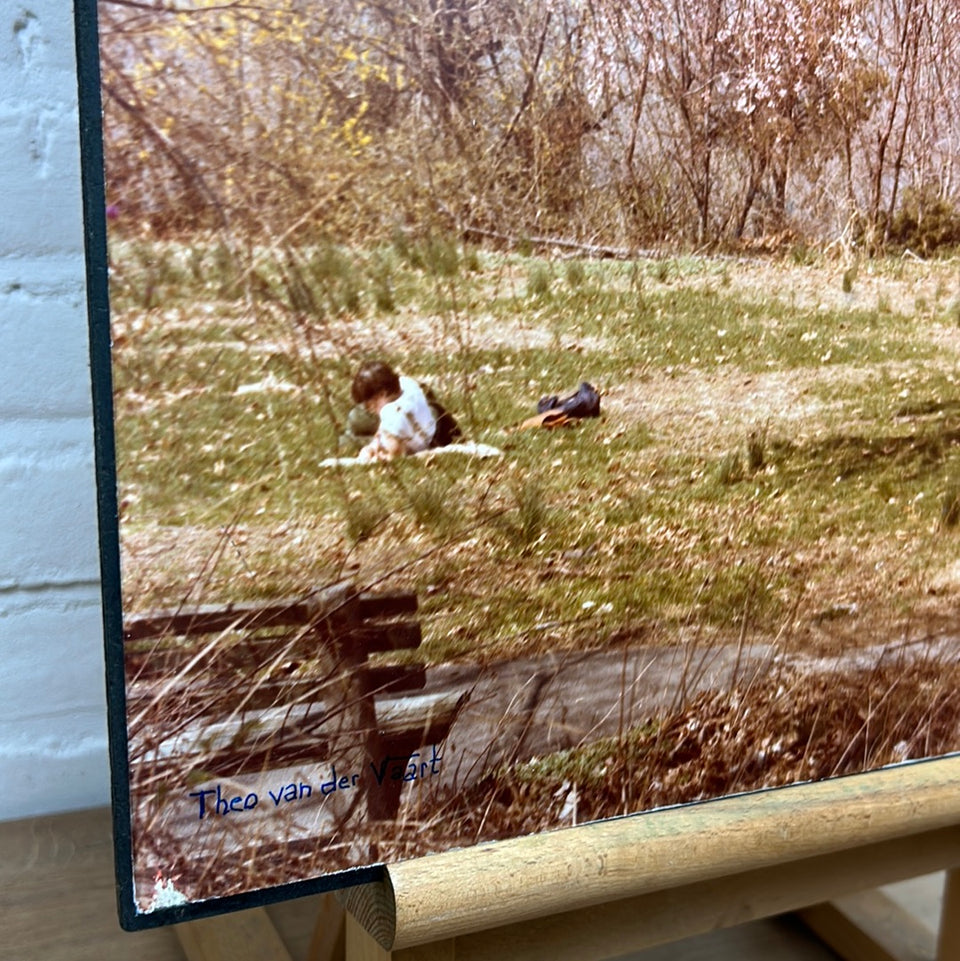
[{"x": 57, "y": 903}]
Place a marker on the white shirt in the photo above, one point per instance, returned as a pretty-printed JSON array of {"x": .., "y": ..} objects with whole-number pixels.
[{"x": 408, "y": 420}]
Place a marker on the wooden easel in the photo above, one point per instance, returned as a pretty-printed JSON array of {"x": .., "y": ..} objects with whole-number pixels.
[{"x": 605, "y": 889}]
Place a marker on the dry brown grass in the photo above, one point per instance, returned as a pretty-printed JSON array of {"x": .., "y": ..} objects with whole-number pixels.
[
  {"x": 771, "y": 732},
  {"x": 776, "y": 730}
]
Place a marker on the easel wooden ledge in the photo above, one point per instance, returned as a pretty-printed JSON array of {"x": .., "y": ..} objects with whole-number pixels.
[{"x": 603, "y": 889}]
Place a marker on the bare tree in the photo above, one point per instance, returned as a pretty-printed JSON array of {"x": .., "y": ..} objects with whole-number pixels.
[{"x": 608, "y": 122}]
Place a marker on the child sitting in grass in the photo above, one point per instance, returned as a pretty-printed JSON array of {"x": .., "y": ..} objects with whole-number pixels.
[{"x": 407, "y": 423}]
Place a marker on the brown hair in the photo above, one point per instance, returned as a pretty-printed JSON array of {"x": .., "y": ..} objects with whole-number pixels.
[{"x": 374, "y": 379}]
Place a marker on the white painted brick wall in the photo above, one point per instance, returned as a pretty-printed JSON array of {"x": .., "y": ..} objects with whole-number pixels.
[{"x": 53, "y": 754}]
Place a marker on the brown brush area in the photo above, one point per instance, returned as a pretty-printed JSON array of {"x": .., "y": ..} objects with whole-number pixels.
[{"x": 768, "y": 732}]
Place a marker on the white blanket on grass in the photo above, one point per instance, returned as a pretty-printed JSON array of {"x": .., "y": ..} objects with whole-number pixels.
[{"x": 469, "y": 448}]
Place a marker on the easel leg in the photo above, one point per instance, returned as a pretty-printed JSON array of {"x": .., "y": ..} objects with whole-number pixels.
[
  {"x": 328, "y": 941},
  {"x": 360, "y": 946},
  {"x": 948, "y": 942},
  {"x": 870, "y": 926},
  {"x": 247, "y": 934}
]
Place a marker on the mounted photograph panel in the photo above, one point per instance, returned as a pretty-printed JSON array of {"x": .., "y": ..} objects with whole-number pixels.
[{"x": 497, "y": 433}]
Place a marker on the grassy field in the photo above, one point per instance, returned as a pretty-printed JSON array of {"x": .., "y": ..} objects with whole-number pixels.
[
  {"x": 777, "y": 464},
  {"x": 777, "y": 455}
]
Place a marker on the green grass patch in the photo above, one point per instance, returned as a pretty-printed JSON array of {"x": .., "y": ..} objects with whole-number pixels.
[{"x": 678, "y": 507}]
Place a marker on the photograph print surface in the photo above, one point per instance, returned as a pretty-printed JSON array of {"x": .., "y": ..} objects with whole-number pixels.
[{"x": 524, "y": 413}]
